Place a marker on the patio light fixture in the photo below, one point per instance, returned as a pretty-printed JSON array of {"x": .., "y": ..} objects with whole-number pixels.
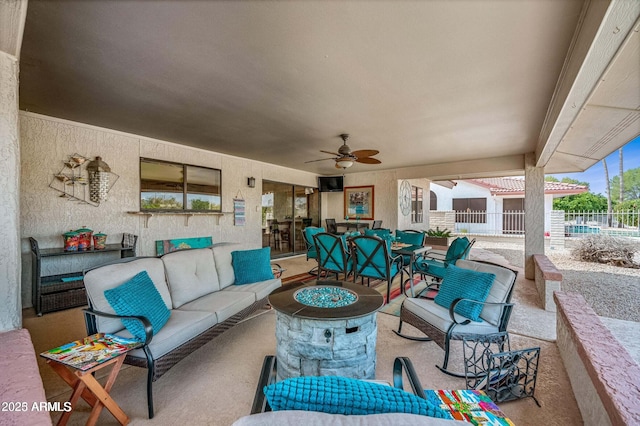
[
  {"x": 251, "y": 182},
  {"x": 344, "y": 163}
]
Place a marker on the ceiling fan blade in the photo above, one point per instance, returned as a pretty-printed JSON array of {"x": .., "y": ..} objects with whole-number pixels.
[
  {"x": 368, "y": 160},
  {"x": 365, "y": 152},
  {"x": 332, "y": 153},
  {"x": 322, "y": 159}
]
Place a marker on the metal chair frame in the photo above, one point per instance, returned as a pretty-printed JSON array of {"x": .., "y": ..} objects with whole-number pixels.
[
  {"x": 336, "y": 253},
  {"x": 362, "y": 260},
  {"x": 443, "y": 338}
]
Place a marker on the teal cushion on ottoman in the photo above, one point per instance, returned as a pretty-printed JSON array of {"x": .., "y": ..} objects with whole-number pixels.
[
  {"x": 341, "y": 395},
  {"x": 252, "y": 266},
  {"x": 139, "y": 297},
  {"x": 466, "y": 284}
]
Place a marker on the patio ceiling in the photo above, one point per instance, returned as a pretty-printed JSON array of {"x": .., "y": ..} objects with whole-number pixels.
[{"x": 428, "y": 84}]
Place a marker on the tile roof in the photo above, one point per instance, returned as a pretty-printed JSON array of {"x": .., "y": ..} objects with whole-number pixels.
[{"x": 515, "y": 185}]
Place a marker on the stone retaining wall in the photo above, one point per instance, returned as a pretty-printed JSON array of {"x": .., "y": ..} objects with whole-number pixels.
[
  {"x": 548, "y": 280},
  {"x": 604, "y": 378}
]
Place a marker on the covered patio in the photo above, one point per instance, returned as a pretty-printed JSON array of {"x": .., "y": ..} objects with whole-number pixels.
[{"x": 443, "y": 90}]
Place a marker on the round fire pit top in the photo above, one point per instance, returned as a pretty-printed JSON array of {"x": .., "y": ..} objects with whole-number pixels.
[
  {"x": 313, "y": 300},
  {"x": 325, "y": 296}
]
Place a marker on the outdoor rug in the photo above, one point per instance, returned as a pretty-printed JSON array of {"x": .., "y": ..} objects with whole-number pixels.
[{"x": 397, "y": 297}]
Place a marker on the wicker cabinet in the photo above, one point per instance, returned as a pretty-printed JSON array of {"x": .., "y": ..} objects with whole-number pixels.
[{"x": 63, "y": 291}]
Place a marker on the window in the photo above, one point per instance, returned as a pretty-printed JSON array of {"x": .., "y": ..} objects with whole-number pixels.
[
  {"x": 433, "y": 201},
  {"x": 416, "y": 204},
  {"x": 166, "y": 186},
  {"x": 470, "y": 210}
]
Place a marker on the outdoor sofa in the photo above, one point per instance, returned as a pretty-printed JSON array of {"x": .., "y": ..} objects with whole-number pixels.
[{"x": 200, "y": 289}]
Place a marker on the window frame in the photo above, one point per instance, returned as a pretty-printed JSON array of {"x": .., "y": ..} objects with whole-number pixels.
[
  {"x": 417, "y": 204},
  {"x": 185, "y": 183},
  {"x": 468, "y": 215}
]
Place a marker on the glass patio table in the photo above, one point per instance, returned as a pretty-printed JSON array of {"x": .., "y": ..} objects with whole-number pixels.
[{"x": 411, "y": 251}]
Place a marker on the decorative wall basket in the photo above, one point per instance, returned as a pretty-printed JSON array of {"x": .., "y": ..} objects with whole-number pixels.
[{"x": 84, "y": 181}]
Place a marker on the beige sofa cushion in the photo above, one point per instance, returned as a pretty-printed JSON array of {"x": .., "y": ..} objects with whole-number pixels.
[
  {"x": 190, "y": 274},
  {"x": 224, "y": 303},
  {"x": 438, "y": 316},
  {"x": 107, "y": 277},
  {"x": 181, "y": 327},
  {"x": 224, "y": 265},
  {"x": 261, "y": 289}
]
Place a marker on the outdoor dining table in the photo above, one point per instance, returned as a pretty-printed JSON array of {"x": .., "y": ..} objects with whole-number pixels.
[
  {"x": 412, "y": 251},
  {"x": 353, "y": 225}
]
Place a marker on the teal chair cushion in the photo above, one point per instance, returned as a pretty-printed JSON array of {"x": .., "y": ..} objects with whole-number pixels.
[
  {"x": 413, "y": 238},
  {"x": 432, "y": 267},
  {"x": 342, "y": 395},
  {"x": 139, "y": 297},
  {"x": 466, "y": 284},
  {"x": 309, "y": 232},
  {"x": 456, "y": 249},
  {"x": 382, "y": 233}
]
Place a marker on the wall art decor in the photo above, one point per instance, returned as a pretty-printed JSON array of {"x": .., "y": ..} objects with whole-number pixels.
[
  {"x": 358, "y": 202},
  {"x": 84, "y": 180},
  {"x": 238, "y": 212}
]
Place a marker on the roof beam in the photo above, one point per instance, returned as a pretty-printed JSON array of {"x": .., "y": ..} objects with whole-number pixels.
[{"x": 603, "y": 29}]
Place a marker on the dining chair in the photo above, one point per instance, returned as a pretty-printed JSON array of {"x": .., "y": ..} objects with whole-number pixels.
[
  {"x": 412, "y": 237},
  {"x": 332, "y": 228},
  {"x": 373, "y": 259},
  {"x": 333, "y": 256},
  {"x": 377, "y": 224}
]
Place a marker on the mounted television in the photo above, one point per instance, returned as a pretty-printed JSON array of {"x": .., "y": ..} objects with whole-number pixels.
[{"x": 330, "y": 184}]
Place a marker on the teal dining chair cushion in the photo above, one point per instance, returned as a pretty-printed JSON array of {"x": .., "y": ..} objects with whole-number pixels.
[
  {"x": 466, "y": 284},
  {"x": 332, "y": 251},
  {"x": 342, "y": 395},
  {"x": 434, "y": 268},
  {"x": 456, "y": 249},
  {"x": 377, "y": 232},
  {"x": 252, "y": 266},
  {"x": 139, "y": 297},
  {"x": 368, "y": 246},
  {"x": 309, "y": 232},
  {"x": 413, "y": 238}
]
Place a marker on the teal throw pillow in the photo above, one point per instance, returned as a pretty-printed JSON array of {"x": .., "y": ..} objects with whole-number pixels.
[
  {"x": 341, "y": 395},
  {"x": 252, "y": 266},
  {"x": 466, "y": 284},
  {"x": 139, "y": 297}
]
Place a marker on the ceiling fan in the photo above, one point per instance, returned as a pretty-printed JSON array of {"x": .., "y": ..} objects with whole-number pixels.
[{"x": 345, "y": 158}]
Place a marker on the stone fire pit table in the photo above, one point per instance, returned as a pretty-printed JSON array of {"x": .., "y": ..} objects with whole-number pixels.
[{"x": 326, "y": 328}]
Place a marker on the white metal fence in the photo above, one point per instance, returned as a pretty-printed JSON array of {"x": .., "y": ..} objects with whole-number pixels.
[{"x": 576, "y": 223}]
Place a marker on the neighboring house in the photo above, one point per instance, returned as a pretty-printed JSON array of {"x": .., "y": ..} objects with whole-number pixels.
[{"x": 493, "y": 205}]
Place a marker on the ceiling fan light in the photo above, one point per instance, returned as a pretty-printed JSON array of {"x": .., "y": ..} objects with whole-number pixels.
[{"x": 344, "y": 163}]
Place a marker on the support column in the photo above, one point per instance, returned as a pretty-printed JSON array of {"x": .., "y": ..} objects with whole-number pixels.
[
  {"x": 533, "y": 213},
  {"x": 12, "y": 18}
]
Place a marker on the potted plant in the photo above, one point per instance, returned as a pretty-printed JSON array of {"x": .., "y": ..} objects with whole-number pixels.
[{"x": 438, "y": 237}]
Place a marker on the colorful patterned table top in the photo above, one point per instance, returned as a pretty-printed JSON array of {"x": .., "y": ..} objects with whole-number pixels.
[{"x": 472, "y": 406}]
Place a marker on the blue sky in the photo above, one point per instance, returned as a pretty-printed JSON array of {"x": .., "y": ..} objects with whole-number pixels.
[{"x": 595, "y": 174}]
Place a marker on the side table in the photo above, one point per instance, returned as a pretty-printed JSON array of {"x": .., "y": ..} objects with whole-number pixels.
[{"x": 76, "y": 362}]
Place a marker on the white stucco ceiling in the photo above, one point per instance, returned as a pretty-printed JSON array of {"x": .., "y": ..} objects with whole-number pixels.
[{"x": 424, "y": 82}]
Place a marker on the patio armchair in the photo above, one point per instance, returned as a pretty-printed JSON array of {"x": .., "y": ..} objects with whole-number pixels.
[
  {"x": 372, "y": 259},
  {"x": 402, "y": 367},
  {"x": 307, "y": 236},
  {"x": 443, "y": 320},
  {"x": 332, "y": 254}
]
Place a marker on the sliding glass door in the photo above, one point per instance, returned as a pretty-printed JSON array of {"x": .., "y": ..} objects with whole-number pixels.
[{"x": 286, "y": 210}]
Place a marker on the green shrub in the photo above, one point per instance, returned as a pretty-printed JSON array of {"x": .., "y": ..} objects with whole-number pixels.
[{"x": 445, "y": 233}]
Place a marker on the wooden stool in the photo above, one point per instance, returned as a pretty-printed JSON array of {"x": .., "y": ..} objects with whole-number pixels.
[{"x": 86, "y": 386}]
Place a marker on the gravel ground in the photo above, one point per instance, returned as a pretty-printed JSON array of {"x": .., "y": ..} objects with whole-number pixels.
[{"x": 611, "y": 291}]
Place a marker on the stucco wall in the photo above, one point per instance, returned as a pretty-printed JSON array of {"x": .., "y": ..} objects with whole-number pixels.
[
  {"x": 386, "y": 205},
  {"x": 10, "y": 315},
  {"x": 47, "y": 141}
]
